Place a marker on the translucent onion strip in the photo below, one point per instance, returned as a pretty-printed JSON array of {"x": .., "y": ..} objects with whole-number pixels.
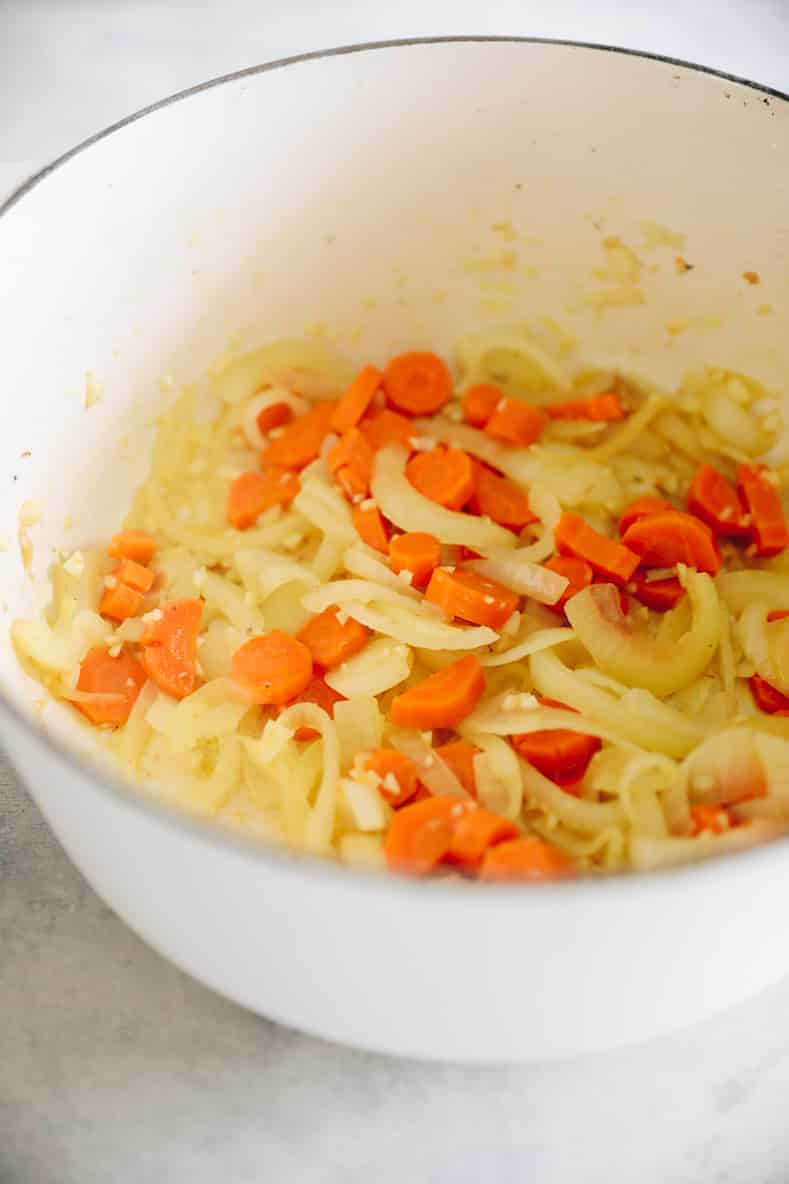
[
  {"x": 404, "y": 625},
  {"x": 320, "y": 822},
  {"x": 433, "y": 771},
  {"x": 588, "y": 817},
  {"x": 381, "y": 665},
  {"x": 270, "y": 398},
  {"x": 543, "y": 639}
]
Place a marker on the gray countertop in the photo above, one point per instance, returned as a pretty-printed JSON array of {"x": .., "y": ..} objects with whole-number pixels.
[{"x": 114, "y": 1067}]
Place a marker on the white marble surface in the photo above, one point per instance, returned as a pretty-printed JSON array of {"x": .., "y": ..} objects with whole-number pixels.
[{"x": 115, "y": 1068}]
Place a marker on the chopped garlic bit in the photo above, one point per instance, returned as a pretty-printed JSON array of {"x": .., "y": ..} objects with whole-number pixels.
[
  {"x": 369, "y": 503},
  {"x": 155, "y": 614},
  {"x": 75, "y": 564},
  {"x": 110, "y": 582},
  {"x": 406, "y": 576},
  {"x": 422, "y": 443}
]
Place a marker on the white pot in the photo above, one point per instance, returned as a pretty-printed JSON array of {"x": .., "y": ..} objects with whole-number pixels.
[{"x": 355, "y": 188}]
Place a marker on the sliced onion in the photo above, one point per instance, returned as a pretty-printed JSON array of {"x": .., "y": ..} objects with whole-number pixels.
[
  {"x": 363, "y": 561},
  {"x": 520, "y": 464},
  {"x": 588, "y": 817},
  {"x": 360, "y": 591},
  {"x": 320, "y": 821},
  {"x": 650, "y": 854},
  {"x": 522, "y": 576},
  {"x": 404, "y": 505},
  {"x": 304, "y": 366},
  {"x": 325, "y": 508},
  {"x": 725, "y": 769},
  {"x": 381, "y": 665},
  {"x": 634, "y": 657},
  {"x": 738, "y": 589},
  {"x": 543, "y": 639},
  {"x": 404, "y": 625}
]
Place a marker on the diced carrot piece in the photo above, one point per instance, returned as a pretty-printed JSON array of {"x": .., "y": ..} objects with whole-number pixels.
[
  {"x": 642, "y": 507},
  {"x": 301, "y": 440},
  {"x": 715, "y": 501},
  {"x": 371, "y": 528},
  {"x": 516, "y": 423},
  {"x": 120, "y": 678},
  {"x": 331, "y": 641},
  {"x": 664, "y": 540},
  {"x": 416, "y": 552},
  {"x": 252, "y": 493},
  {"x": 420, "y": 835},
  {"x": 767, "y": 697},
  {"x": 170, "y": 647},
  {"x": 604, "y": 408},
  {"x": 479, "y": 403},
  {"x": 443, "y": 699},
  {"x": 576, "y": 537},
  {"x": 351, "y": 461},
  {"x": 275, "y": 667},
  {"x": 558, "y": 753},
  {"x": 529, "y": 858},
  {"x": 317, "y": 691},
  {"x": 471, "y": 597},
  {"x": 274, "y": 416},
  {"x": 777, "y": 614},
  {"x": 417, "y": 383},
  {"x": 577, "y": 571},
  {"x": 399, "y": 776},
  {"x": 759, "y": 492},
  {"x": 134, "y": 575},
  {"x": 459, "y": 755},
  {"x": 715, "y": 819},
  {"x": 444, "y": 475},
  {"x": 477, "y": 830},
  {"x": 660, "y": 595},
  {"x": 120, "y": 602},
  {"x": 500, "y": 499},
  {"x": 358, "y": 397},
  {"x": 387, "y": 427},
  {"x": 133, "y": 544}
]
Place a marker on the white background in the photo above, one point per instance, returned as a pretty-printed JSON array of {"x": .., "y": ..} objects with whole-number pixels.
[{"x": 116, "y": 1069}]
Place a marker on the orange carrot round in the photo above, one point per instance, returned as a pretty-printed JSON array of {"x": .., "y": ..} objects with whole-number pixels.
[
  {"x": 604, "y": 408},
  {"x": 479, "y": 403},
  {"x": 713, "y": 499},
  {"x": 660, "y": 595},
  {"x": 420, "y": 835},
  {"x": 371, "y": 527},
  {"x": 387, "y": 427},
  {"x": 357, "y": 398},
  {"x": 133, "y": 544},
  {"x": 301, "y": 440},
  {"x": 417, "y": 383},
  {"x": 471, "y": 597},
  {"x": 663, "y": 540},
  {"x": 331, "y": 641},
  {"x": 517, "y": 423},
  {"x": 415, "y": 552},
  {"x": 121, "y": 602},
  {"x": 757, "y": 487},
  {"x": 642, "y": 507},
  {"x": 134, "y": 575},
  {"x": 529, "y": 858},
  {"x": 351, "y": 461},
  {"x": 443, "y": 699},
  {"x": 459, "y": 755},
  {"x": 274, "y": 667},
  {"x": 715, "y": 819},
  {"x": 444, "y": 475},
  {"x": 170, "y": 647},
  {"x": 574, "y": 536},
  {"x": 499, "y": 499},
  {"x": 399, "y": 776},
  {"x": 252, "y": 493},
  {"x": 120, "y": 678},
  {"x": 476, "y": 830},
  {"x": 274, "y": 416},
  {"x": 558, "y": 753},
  {"x": 578, "y": 572}
]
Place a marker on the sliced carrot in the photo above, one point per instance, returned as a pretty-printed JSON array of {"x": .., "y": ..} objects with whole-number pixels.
[
  {"x": 120, "y": 678},
  {"x": 529, "y": 858},
  {"x": 767, "y": 697},
  {"x": 576, "y": 537},
  {"x": 604, "y": 408},
  {"x": 642, "y": 507},
  {"x": 479, "y": 403},
  {"x": 516, "y": 423},
  {"x": 660, "y": 595},
  {"x": 777, "y": 614},
  {"x": 357, "y": 398},
  {"x": 331, "y": 641},
  {"x": 443, "y": 699},
  {"x": 120, "y": 602},
  {"x": 351, "y": 461},
  {"x": 170, "y": 647},
  {"x": 471, "y": 597},
  {"x": 715, "y": 819},
  {"x": 134, "y": 575},
  {"x": 476, "y": 830},
  {"x": 301, "y": 440},
  {"x": 420, "y": 835},
  {"x": 444, "y": 475},
  {"x": 416, "y": 552},
  {"x": 387, "y": 427},
  {"x": 252, "y": 493},
  {"x": 417, "y": 383},
  {"x": 317, "y": 691},
  {"x": 133, "y": 544},
  {"x": 759, "y": 492},
  {"x": 577, "y": 571},
  {"x": 663, "y": 540},
  {"x": 275, "y": 667},
  {"x": 713, "y": 499},
  {"x": 371, "y": 528},
  {"x": 558, "y": 753},
  {"x": 500, "y": 499},
  {"x": 399, "y": 776},
  {"x": 459, "y": 755},
  {"x": 274, "y": 416}
]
